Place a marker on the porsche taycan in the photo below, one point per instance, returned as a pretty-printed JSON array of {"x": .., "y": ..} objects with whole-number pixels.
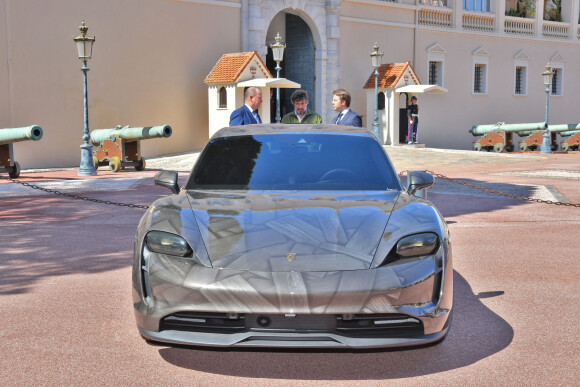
[{"x": 293, "y": 236}]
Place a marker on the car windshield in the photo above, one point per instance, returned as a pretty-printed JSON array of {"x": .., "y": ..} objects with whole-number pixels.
[{"x": 293, "y": 161}]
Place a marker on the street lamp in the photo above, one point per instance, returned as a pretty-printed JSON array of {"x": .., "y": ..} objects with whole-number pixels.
[
  {"x": 547, "y": 75},
  {"x": 278, "y": 52},
  {"x": 85, "y": 48},
  {"x": 376, "y": 57}
]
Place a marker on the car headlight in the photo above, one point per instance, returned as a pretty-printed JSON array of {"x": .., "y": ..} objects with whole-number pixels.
[
  {"x": 166, "y": 243},
  {"x": 417, "y": 245}
]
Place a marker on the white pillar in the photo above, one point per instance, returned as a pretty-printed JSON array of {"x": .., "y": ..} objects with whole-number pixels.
[
  {"x": 573, "y": 6},
  {"x": 457, "y": 13},
  {"x": 330, "y": 61},
  {"x": 392, "y": 104},
  {"x": 539, "y": 25},
  {"x": 499, "y": 10},
  {"x": 370, "y": 114}
]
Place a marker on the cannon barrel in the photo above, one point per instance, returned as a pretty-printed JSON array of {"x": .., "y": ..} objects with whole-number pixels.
[
  {"x": 480, "y": 130},
  {"x": 127, "y": 133},
  {"x": 564, "y": 128},
  {"x": 569, "y": 133},
  {"x": 561, "y": 129},
  {"x": 10, "y": 135}
]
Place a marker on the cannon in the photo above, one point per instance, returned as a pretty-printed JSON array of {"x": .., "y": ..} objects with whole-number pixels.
[
  {"x": 8, "y": 137},
  {"x": 534, "y": 139},
  {"x": 121, "y": 146},
  {"x": 572, "y": 142},
  {"x": 500, "y": 136}
]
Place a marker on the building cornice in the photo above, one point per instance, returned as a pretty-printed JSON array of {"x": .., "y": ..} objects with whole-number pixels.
[{"x": 219, "y": 3}]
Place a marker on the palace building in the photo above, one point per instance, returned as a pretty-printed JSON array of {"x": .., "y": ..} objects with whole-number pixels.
[{"x": 151, "y": 59}]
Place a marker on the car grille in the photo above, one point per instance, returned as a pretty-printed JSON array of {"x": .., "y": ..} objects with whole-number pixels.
[{"x": 355, "y": 325}]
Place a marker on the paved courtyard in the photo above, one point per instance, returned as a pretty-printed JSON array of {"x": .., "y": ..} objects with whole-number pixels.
[{"x": 65, "y": 284}]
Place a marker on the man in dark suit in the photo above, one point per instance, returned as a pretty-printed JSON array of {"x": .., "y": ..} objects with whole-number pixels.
[
  {"x": 340, "y": 104},
  {"x": 248, "y": 114}
]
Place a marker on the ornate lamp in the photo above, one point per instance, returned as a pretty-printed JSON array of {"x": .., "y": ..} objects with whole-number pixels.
[
  {"x": 547, "y": 76},
  {"x": 278, "y": 53},
  {"x": 85, "y": 50}
]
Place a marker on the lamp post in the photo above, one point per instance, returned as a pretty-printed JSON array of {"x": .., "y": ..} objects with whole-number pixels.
[
  {"x": 278, "y": 52},
  {"x": 547, "y": 75},
  {"x": 376, "y": 57},
  {"x": 85, "y": 47}
]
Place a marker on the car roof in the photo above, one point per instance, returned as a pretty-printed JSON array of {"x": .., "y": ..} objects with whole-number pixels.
[{"x": 256, "y": 129}]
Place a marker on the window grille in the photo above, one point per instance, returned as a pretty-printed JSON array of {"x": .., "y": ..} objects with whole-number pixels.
[
  {"x": 520, "y": 87},
  {"x": 478, "y": 79},
  {"x": 556, "y": 82},
  {"x": 432, "y": 73}
]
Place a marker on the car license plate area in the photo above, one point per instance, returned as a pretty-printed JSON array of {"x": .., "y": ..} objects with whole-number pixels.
[{"x": 290, "y": 322}]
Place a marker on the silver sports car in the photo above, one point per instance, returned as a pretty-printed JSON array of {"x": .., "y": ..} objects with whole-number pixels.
[{"x": 293, "y": 236}]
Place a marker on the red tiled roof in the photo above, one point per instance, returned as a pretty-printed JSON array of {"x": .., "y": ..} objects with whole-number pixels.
[
  {"x": 230, "y": 66},
  {"x": 389, "y": 75}
]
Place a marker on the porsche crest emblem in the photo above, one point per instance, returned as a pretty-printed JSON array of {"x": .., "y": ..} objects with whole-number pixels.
[{"x": 290, "y": 257}]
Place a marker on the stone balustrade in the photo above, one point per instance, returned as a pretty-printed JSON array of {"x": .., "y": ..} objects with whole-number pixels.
[
  {"x": 435, "y": 16},
  {"x": 519, "y": 25},
  {"x": 478, "y": 21},
  {"x": 553, "y": 29}
]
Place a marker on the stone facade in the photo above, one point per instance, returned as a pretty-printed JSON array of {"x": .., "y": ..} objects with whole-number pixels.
[{"x": 323, "y": 18}]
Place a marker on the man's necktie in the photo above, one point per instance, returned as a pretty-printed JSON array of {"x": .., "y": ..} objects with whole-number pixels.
[
  {"x": 257, "y": 117},
  {"x": 339, "y": 118}
]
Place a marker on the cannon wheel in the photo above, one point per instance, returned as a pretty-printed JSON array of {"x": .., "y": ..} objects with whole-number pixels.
[
  {"x": 509, "y": 148},
  {"x": 498, "y": 147},
  {"x": 565, "y": 146},
  {"x": 523, "y": 146},
  {"x": 96, "y": 162},
  {"x": 115, "y": 164},
  {"x": 14, "y": 171},
  {"x": 140, "y": 165},
  {"x": 476, "y": 146}
]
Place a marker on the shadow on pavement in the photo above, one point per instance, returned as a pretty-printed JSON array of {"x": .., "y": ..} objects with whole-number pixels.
[
  {"x": 47, "y": 236},
  {"x": 476, "y": 333}
]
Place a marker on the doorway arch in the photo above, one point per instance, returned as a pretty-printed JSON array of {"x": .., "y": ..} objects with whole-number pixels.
[
  {"x": 299, "y": 62},
  {"x": 258, "y": 18}
]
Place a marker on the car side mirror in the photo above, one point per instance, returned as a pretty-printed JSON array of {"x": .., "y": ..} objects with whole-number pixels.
[
  {"x": 418, "y": 182},
  {"x": 168, "y": 179}
]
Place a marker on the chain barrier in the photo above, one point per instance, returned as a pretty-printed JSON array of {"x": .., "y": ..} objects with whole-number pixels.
[
  {"x": 438, "y": 175},
  {"x": 77, "y": 197}
]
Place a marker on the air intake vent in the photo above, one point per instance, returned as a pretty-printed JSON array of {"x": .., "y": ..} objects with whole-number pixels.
[
  {"x": 379, "y": 325},
  {"x": 203, "y": 322}
]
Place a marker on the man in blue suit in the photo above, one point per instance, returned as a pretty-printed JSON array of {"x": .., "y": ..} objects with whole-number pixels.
[
  {"x": 340, "y": 104},
  {"x": 248, "y": 114}
]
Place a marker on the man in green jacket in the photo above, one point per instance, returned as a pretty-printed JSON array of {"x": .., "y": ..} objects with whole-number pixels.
[{"x": 301, "y": 114}]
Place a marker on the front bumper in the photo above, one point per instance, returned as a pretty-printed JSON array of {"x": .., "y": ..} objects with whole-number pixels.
[
  {"x": 289, "y": 340},
  {"x": 420, "y": 291}
]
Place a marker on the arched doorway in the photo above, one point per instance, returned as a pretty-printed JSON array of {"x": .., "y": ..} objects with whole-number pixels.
[{"x": 298, "y": 64}]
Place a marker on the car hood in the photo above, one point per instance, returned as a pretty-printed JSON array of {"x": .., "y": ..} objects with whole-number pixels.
[{"x": 291, "y": 232}]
